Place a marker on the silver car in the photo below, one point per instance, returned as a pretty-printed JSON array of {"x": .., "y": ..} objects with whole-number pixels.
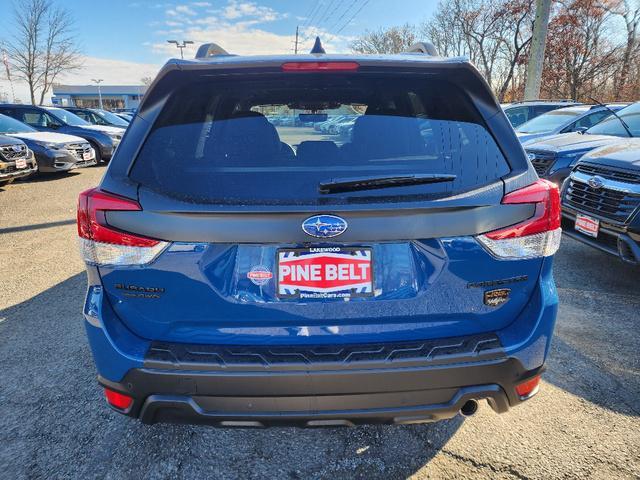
[{"x": 565, "y": 120}]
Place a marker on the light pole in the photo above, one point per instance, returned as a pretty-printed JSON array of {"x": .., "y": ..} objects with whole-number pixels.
[
  {"x": 97, "y": 82},
  {"x": 181, "y": 46}
]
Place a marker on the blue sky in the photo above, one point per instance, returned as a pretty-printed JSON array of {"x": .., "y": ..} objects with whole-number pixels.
[{"x": 123, "y": 40}]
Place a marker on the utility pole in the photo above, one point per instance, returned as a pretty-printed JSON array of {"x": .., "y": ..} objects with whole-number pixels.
[
  {"x": 296, "y": 47},
  {"x": 538, "y": 44},
  {"x": 97, "y": 81},
  {"x": 180, "y": 46}
]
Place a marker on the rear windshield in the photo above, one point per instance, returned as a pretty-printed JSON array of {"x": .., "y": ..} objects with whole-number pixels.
[{"x": 276, "y": 139}]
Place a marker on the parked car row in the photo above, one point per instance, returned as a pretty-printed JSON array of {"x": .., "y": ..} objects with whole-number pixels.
[
  {"x": 52, "y": 139},
  {"x": 594, "y": 156}
]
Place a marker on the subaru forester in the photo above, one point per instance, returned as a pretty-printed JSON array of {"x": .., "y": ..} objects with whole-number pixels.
[{"x": 246, "y": 269}]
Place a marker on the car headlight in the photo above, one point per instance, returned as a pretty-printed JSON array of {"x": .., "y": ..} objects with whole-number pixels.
[
  {"x": 52, "y": 146},
  {"x": 572, "y": 158}
]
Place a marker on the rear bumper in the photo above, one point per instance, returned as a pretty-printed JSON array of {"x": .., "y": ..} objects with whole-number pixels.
[
  {"x": 319, "y": 398},
  {"x": 335, "y": 384},
  {"x": 50, "y": 161},
  {"x": 8, "y": 174},
  {"x": 611, "y": 239}
]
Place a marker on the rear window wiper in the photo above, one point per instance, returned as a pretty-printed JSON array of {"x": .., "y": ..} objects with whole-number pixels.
[{"x": 339, "y": 185}]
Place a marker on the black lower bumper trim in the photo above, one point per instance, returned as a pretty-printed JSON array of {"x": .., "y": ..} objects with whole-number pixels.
[
  {"x": 17, "y": 174},
  {"x": 183, "y": 409},
  {"x": 609, "y": 240},
  {"x": 382, "y": 394}
]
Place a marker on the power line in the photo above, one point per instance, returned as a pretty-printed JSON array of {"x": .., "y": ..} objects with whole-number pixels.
[
  {"x": 344, "y": 13},
  {"x": 313, "y": 7},
  {"x": 313, "y": 16},
  {"x": 309, "y": 15},
  {"x": 327, "y": 15},
  {"x": 353, "y": 16}
]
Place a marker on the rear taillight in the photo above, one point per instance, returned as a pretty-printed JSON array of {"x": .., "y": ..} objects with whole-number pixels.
[
  {"x": 538, "y": 236},
  {"x": 101, "y": 244}
]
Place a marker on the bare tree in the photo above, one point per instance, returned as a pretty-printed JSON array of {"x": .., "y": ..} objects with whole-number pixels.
[
  {"x": 442, "y": 29},
  {"x": 42, "y": 46},
  {"x": 518, "y": 20},
  {"x": 386, "y": 40},
  {"x": 586, "y": 54},
  {"x": 494, "y": 35},
  {"x": 580, "y": 58},
  {"x": 630, "y": 13}
]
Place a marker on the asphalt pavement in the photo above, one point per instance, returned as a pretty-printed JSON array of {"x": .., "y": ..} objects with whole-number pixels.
[{"x": 584, "y": 423}]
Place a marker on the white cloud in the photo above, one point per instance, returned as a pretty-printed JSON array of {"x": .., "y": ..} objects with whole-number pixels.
[
  {"x": 186, "y": 10},
  {"x": 238, "y": 9},
  {"x": 236, "y": 28},
  {"x": 113, "y": 72},
  {"x": 181, "y": 11}
]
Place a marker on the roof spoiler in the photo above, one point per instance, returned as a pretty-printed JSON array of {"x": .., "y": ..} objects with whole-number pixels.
[
  {"x": 425, "y": 48},
  {"x": 207, "y": 50}
]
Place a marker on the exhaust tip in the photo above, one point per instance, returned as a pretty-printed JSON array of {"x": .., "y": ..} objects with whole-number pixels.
[{"x": 469, "y": 408}]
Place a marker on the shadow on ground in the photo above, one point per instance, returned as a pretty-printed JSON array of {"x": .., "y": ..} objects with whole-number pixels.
[
  {"x": 37, "y": 226},
  {"x": 595, "y": 348},
  {"x": 53, "y": 419}
]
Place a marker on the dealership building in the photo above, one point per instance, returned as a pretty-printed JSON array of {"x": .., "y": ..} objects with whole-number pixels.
[{"x": 113, "y": 96}]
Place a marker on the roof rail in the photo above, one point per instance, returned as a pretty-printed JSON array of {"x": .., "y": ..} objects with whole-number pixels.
[
  {"x": 210, "y": 50},
  {"x": 423, "y": 47}
]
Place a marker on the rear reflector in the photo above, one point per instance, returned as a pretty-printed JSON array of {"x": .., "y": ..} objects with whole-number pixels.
[
  {"x": 320, "y": 66},
  {"x": 538, "y": 236},
  {"x": 101, "y": 244},
  {"x": 529, "y": 388},
  {"x": 118, "y": 400}
]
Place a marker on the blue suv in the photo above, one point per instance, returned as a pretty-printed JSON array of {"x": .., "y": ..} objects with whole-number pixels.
[{"x": 246, "y": 274}]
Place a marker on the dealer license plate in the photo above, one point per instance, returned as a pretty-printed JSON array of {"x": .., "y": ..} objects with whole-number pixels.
[
  {"x": 587, "y": 225},
  {"x": 324, "y": 272}
]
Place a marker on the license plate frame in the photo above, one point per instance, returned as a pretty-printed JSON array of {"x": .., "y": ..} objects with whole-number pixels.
[
  {"x": 587, "y": 225},
  {"x": 21, "y": 163},
  {"x": 86, "y": 156},
  {"x": 359, "y": 255}
]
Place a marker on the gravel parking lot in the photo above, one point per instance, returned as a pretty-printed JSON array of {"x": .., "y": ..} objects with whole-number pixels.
[{"x": 585, "y": 422}]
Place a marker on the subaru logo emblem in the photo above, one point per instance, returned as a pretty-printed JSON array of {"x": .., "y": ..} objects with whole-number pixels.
[
  {"x": 531, "y": 156},
  {"x": 596, "y": 182},
  {"x": 324, "y": 226},
  {"x": 17, "y": 148}
]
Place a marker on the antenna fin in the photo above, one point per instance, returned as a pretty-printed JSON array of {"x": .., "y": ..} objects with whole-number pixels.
[{"x": 317, "y": 47}]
